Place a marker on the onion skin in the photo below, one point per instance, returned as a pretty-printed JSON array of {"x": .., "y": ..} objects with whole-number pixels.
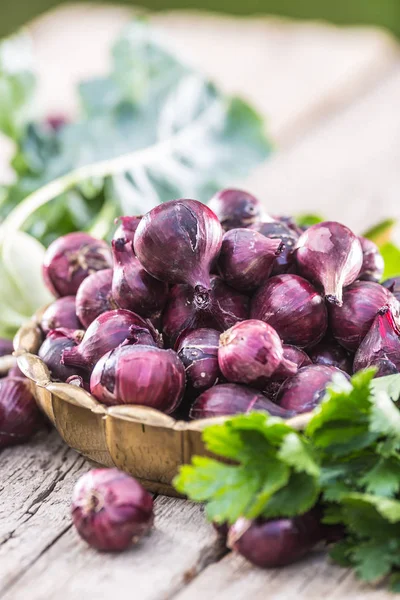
[
  {"x": 52, "y": 349},
  {"x": 19, "y": 415},
  {"x": 251, "y": 352},
  {"x": 126, "y": 229},
  {"x": 141, "y": 375},
  {"x": 329, "y": 255},
  {"x": 247, "y": 258},
  {"x": 361, "y": 302},
  {"x": 108, "y": 331},
  {"x": 393, "y": 284},
  {"x": 293, "y": 307},
  {"x": 305, "y": 390},
  {"x": 294, "y": 355},
  {"x": 233, "y": 399},
  {"x": 111, "y": 510},
  {"x": 278, "y": 230},
  {"x": 381, "y": 346},
  {"x": 70, "y": 259},
  {"x": 198, "y": 351},
  {"x": 60, "y": 314},
  {"x": 330, "y": 354},
  {"x": 94, "y": 297},
  {"x": 6, "y": 347},
  {"x": 132, "y": 287},
  {"x": 235, "y": 208},
  {"x": 177, "y": 242},
  {"x": 373, "y": 264}
]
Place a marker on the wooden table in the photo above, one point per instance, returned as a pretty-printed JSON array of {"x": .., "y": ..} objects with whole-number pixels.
[{"x": 333, "y": 100}]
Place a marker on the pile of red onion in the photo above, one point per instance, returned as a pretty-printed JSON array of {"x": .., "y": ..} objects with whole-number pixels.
[{"x": 200, "y": 310}]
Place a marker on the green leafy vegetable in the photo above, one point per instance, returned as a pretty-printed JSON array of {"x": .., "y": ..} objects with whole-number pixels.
[
  {"x": 381, "y": 233},
  {"x": 391, "y": 256},
  {"x": 306, "y": 220}
]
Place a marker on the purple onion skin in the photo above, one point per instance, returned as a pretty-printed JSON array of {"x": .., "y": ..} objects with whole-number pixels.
[
  {"x": 373, "y": 264},
  {"x": 289, "y": 222},
  {"x": 304, "y": 391},
  {"x": 111, "y": 510},
  {"x": 51, "y": 352},
  {"x": 275, "y": 543},
  {"x": 361, "y": 302},
  {"x": 294, "y": 355},
  {"x": 251, "y": 352},
  {"x": 235, "y": 208},
  {"x": 381, "y": 346},
  {"x": 94, "y": 297},
  {"x": 330, "y": 256},
  {"x": 247, "y": 258},
  {"x": 293, "y": 307},
  {"x": 70, "y": 259},
  {"x": 393, "y": 284},
  {"x": 15, "y": 371},
  {"x": 78, "y": 381},
  {"x": 126, "y": 229},
  {"x": 132, "y": 287},
  {"x": 60, "y": 314},
  {"x": 198, "y": 351},
  {"x": 107, "y": 332},
  {"x": 329, "y": 353},
  {"x": 278, "y": 230},
  {"x": 177, "y": 242},
  {"x": 6, "y": 347},
  {"x": 19, "y": 415},
  {"x": 224, "y": 307},
  {"x": 233, "y": 399},
  {"x": 141, "y": 375}
]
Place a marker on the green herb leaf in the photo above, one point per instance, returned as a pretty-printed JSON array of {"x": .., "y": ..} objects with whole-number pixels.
[
  {"x": 381, "y": 233},
  {"x": 389, "y": 384},
  {"x": 391, "y": 256},
  {"x": 306, "y": 220}
]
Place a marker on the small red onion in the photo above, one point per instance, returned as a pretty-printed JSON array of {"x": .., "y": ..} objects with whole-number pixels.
[
  {"x": 251, "y": 352},
  {"x": 126, "y": 229},
  {"x": 233, "y": 399},
  {"x": 373, "y": 264},
  {"x": 52, "y": 349},
  {"x": 94, "y": 297},
  {"x": 60, "y": 314},
  {"x": 247, "y": 258},
  {"x": 6, "y": 347},
  {"x": 19, "y": 415},
  {"x": 304, "y": 391},
  {"x": 184, "y": 311},
  {"x": 381, "y": 346},
  {"x": 361, "y": 302},
  {"x": 329, "y": 255},
  {"x": 277, "y": 230},
  {"x": 292, "y": 354},
  {"x": 393, "y": 284},
  {"x": 198, "y": 351},
  {"x": 292, "y": 306},
  {"x": 111, "y": 510},
  {"x": 275, "y": 543},
  {"x": 177, "y": 242},
  {"x": 289, "y": 222},
  {"x": 141, "y": 375},
  {"x": 70, "y": 259},
  {"x": 330, "y": 354},
  {"x": 235, "y": 208},
  {"x": 108, "y": 331},
  {"x": 132, "y": 287}
]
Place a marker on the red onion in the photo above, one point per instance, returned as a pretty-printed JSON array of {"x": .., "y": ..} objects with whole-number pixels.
[
  {"x": 198, "y": 351},
  {"x": 126, "y": 229},
  {"x": 177, "y": 242},
  {"x": 94, "y": 297},
  {"x": 111, "y": 510},
  {"x": 232, "y": 399},
  {"x": 60, "y": 314},
  {"x": 329, "y": 255},
  {"x": 78, "y": 381},
  {"x": 278, "y": 542},
  {"x": 52, "y": 350},
  {"x": 281, "y": 231},
  {"x": 381, "y": 346},
  {"x": 292, "y": 306},
  {"x": 251, "y": 352},
  {"x": 70, "y": 259},
  {"x": 294, "y": 355},
  {"x": 184, "y": 312},
  {"x": 247, "y": 258},
  {"x": 139, "y": 375},
  {"x": 393, "y": 284},
  {"x": 361, "y": 302},
  {"x": 6, "y": 347},
  {"x": 304, "y": 391},
  {"x": 235, "y": 208},
  {"x": 108, "y": 331},
  {"x": 330, "y": 354},
  {"x": 373, "y": 264},
  {"x": 132, "y": 287},
  {"x": 19, "y": 415},
  {"x": 15, "y": 371}
]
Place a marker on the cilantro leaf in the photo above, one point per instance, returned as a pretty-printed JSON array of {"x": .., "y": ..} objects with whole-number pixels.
[{"x": 389, "y": 384}]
